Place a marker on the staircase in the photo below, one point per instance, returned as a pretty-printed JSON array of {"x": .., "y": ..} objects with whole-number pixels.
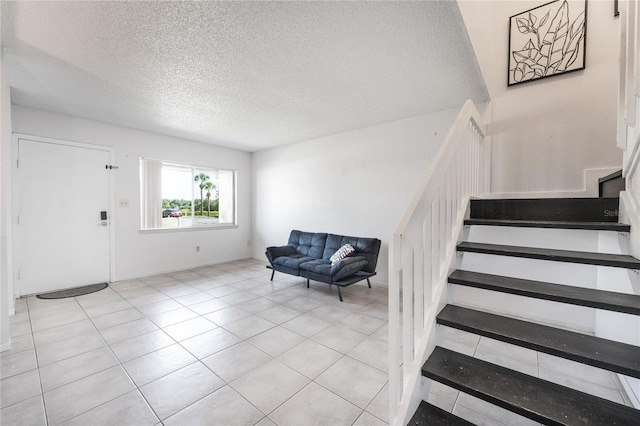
[{"x": 530, "y": 275}]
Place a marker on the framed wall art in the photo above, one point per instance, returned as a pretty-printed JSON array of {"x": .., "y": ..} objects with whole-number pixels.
[{"x": 547, "y": 40}]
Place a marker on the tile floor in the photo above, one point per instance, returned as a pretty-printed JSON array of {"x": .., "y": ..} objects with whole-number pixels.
[
  {"x": 578, "y": 376},
  {"x": 215, "y": 345}
]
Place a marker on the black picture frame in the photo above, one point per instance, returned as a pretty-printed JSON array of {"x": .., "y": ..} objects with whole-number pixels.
[{"x": 547, "y": 41}]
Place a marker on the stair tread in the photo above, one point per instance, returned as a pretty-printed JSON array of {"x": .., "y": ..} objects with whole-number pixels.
[
  {"x": 428, "y": 414},
  {"x": 590, "y": 258},
  {"x": 600, "y": 299},
  {"x": 556, "y": 224},
  {"x": 526, "y": 395},
  {"x": 602, "y": 353}
]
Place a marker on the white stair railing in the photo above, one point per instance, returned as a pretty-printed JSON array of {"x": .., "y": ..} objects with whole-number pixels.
[
  {"x": 629, "y": 140},
  {"x": 422, "y": 251}
]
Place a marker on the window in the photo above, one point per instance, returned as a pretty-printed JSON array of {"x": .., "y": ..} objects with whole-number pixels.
[{"x": 182, "y": 196}]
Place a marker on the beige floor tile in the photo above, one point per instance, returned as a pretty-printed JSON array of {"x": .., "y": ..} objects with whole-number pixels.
[
  {"x": 128, "y": 330},
  {"x": 71, "y": 369},
  {"x": 74, "y": 314},
  {"x": 249, "y": 326},
  {"x": 189, "y": 328},
  {"x": 208, "y": 343},
  {"x": 129, "y": 409},
  {"x": 310, "y": 358},
  {"x": 270, "y": 385},
  {"x": 363, "y": 323},
  {"x": 20, "y": 362},
  {"x": 227, "y": 315},
  {"x": 165, "y": 319},
  {"x": 116, "y": 318},
  {"x": 236, "y": 361},
  {"x": 138, "y": 346},
  {"x": 339, "y": 338},
  {"x": 209, "y": 306},
  {"x": 67, "y": 331},
  {"x": 238, "y": 297},
  {"x": 19, "y": 388},
  {"x": 367, "y": 419},
  {"x": 193, "y": 298},
  {"x": 306, "y": 325},
  {"x": 154, "y": 365},
  {"x": 225, "y": 405},
  {"x": 75, "y": 398},
  {"x": 69, "y": 347},
  {"x": 379, "y": 406},
  {"x": 28, "y": 413},
  {"x": 317, "y": 403},
  {"x": 276, "y": 341},
  {"x": 374, "y": 352},
  {"x": 178, "y": 390},
  {"x": 353, "y": 380},
  {"x": 107, "y": 308},
  {"x": 331, "y": 312}
]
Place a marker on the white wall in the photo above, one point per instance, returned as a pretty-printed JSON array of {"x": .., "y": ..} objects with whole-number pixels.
[
  {"x": 6, "y": 295},
  {"x": 546, "y": 133},
  {"x": 355, "y": 183},
  {"x": 141, "y": 254}
]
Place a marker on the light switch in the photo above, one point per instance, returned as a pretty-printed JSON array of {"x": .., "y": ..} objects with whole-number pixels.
[{"x": 124, "y": 203}]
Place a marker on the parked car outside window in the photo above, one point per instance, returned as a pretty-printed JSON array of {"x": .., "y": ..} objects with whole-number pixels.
[{"x": 171, "y": 213}]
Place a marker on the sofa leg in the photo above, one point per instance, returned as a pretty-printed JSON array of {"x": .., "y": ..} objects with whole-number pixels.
[
  {"x": 369, "y": 282},
  {"x": 339, "y": 293},
  {"x": 307, "y": 282},
  {"x": 272, "y": 274}
]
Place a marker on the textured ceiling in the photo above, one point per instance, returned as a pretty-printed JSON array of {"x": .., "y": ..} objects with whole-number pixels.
[{"x": 247, "y": 75}]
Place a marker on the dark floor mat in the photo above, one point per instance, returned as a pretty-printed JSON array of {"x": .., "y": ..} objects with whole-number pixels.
[{"x": 73, "y": 292}]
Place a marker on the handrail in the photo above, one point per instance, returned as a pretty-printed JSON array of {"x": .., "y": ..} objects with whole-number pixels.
[{"x": 422, "y": 251}]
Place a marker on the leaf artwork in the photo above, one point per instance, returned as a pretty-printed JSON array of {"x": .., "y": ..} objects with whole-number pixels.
[{"x": 548, "y": 49}]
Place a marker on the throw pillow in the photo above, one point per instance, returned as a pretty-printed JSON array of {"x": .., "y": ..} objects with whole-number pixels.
[{"x": 342, "y": 252}]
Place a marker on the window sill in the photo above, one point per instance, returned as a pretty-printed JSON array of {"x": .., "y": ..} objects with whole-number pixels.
[{"x": 187, "y": 229}]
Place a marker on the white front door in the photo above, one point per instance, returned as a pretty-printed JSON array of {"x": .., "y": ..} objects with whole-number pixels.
[{"x": 63, "y": 216}]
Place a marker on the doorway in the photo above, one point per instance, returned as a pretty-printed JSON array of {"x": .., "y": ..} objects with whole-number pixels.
[{"x": 63, "y": 226}]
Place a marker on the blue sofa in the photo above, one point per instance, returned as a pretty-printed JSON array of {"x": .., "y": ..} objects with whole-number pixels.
[{"x": 308, "y": 254}]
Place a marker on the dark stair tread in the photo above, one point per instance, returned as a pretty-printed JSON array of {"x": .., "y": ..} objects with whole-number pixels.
[
  {"x": 429, "y": 415},
  {"x": 602, "y": 353},
  {"x": 526, "y": 395},
  {"x": 600, "y": 299},
  {"x": 554, "y": 224},
  {"x": 589, "y": 258}
]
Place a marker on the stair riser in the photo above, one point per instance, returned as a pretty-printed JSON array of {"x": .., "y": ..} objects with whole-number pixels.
[
  {"x": 570, "y": 317},
  {"x": 586, "y": 209},
  {"x": 473, "y": 409},
  {"x": 578, "y": 275},
  {"x": 561, "y": 239},
  {"x": 559, "y": 370}
]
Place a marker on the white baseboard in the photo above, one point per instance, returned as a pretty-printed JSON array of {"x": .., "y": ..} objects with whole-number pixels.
[{"x": 186, "y": 268}]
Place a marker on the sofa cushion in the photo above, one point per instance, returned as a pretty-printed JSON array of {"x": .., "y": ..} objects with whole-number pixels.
[
  {"x": 342, "y": 252},
  {"x": 308, "y": 243},
  {"x": 341, "y": 269},
  {"x": 292, "y": 262}
]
